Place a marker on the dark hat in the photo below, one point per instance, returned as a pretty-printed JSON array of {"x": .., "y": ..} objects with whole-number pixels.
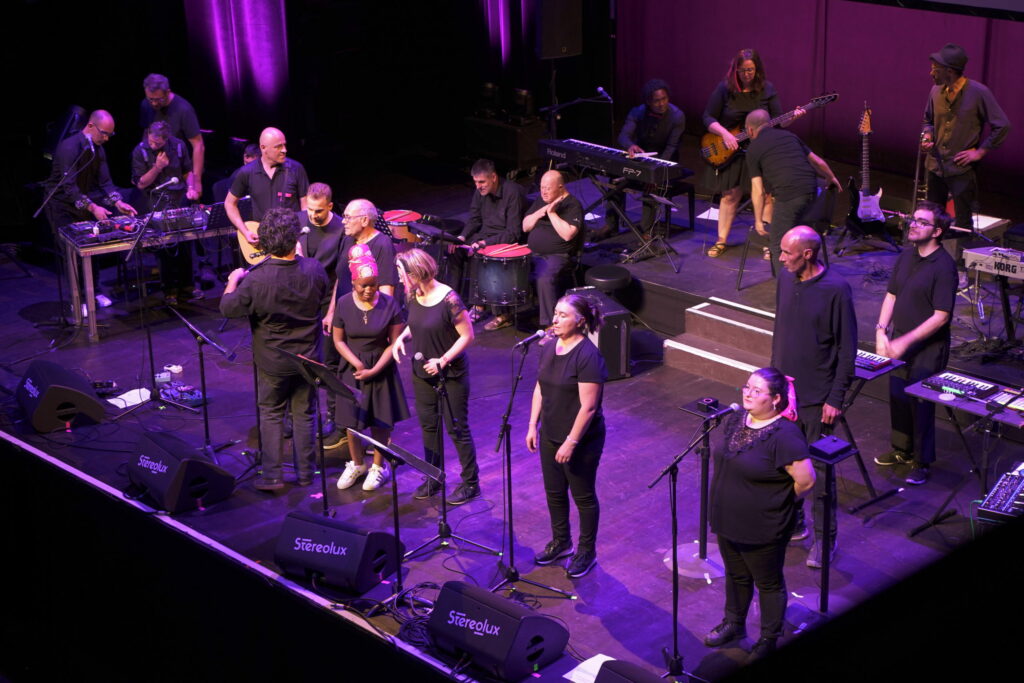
[{"x": 952, "y": 56}]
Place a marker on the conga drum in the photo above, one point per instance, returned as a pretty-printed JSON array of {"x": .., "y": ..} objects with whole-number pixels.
[
  {"x": 398, "y": 220},
  {"x": 502, "y": 275}
]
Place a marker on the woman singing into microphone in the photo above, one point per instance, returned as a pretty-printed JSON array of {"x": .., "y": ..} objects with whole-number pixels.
[
  {"x": 440, "y": 331},
  {"x": 567, "y": 411}
]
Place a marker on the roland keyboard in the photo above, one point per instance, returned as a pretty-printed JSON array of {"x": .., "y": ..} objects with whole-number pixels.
[
  {"x": 960, "y": 385},
  {"x": 871, "y": 361},
  {"x": 612, "y": 162}
]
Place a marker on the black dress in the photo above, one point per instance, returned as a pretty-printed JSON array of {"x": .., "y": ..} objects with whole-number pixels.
[
  {"x": 730, "y": 109},
  {"x": 383, "y": 398}
]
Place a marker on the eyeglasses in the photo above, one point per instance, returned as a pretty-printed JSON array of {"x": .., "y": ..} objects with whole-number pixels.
[
  {"x": 753, "y": 391},
  {"x": 746, "y": 71},
  {"x": 921, "y": 222},
  {"x": 105, "y": 133},
  {"x": 351, "y": 216}
]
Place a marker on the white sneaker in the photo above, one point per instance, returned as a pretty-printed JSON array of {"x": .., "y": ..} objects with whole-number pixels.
[
  {"x": 351, "y": 473},
  {"x": 378, "y": 476}
]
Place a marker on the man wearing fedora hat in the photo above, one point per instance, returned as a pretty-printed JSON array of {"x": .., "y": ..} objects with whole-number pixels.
[{"x": 957, "y": 113}]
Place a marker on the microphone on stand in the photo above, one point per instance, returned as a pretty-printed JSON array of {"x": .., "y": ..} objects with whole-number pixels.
[
  {"x": 722, "y": 412},
  {"x": 536, "y": 336},
  {"x": 168, "y": 183},
  {"x": 604, "y": 93}
]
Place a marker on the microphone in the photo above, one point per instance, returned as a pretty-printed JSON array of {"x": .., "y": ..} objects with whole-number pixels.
[
  {"x": 172, "y": 181},
  {"x": 525, "y": 343},
  {"x": 604, "y": 93},
  {"x": 722, "y": 412},
  {"x": 92, "y": 146},
  {"x": 418, "y": 357}
]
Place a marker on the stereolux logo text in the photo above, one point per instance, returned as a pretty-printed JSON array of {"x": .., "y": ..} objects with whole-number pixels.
[
  {"x": 154, "y": 466},
  {"x": 307, "y": 545},
  {"x": 31, "y": 388},
  {"x": 479, "y": 628}
]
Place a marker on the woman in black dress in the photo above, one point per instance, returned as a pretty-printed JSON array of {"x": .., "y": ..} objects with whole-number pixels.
[
  {"x": 567, "y": 423},
  {"x": 743, "y": 90},
  {"x": 761, "y": 470},
  {"x": 366, "y": 324},
  {"x": 440, "y": 331}
]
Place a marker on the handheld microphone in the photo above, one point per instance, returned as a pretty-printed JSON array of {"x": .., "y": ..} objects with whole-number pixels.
[
  {"x": 722, "y": 412},
  {"x": 172, "y": 181},
  {"x": 604, "y": 93},
  {"x": 418, "y": 356},
  {"x": 536, "y": 336}
]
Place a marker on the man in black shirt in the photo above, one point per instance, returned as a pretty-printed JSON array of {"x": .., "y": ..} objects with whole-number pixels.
[
  {"x": 780, "y": 164},
  {"x": 80, "y": 170},
  {"x": 655, "y": 126},
  {"x": 495, "y": 217},
  {"x": 815, "y": 343},
  {"x": 273, "y": 181},
  {"x": 918, "y": 306},
  {"x": 161, "y": 104},
  {"x": 284, "y": 298},
  {"x": 554, "y": 224}
]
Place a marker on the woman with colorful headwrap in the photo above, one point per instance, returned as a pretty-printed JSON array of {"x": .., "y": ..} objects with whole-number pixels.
[{"x": 366, "y": 324}]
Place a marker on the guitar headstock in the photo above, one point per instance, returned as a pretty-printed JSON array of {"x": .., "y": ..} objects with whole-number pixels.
[
  {"x": 865, "y": 121},
  {"x": 822, "y": 100}
]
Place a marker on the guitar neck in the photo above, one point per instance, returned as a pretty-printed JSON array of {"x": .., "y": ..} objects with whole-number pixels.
[
  {"x": 865, "y": 170},
  {"x": 779, "y": 120}
]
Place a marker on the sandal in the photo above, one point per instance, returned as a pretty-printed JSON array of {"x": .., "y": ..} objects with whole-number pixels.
[
  {"x": 766, "y": 253},
  {"x": 717, "y": 250},
  {"x": 498, "y": 323}
]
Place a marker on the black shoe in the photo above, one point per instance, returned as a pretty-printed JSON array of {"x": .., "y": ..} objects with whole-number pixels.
[
  {"x": 893, "y": 457},
  {"x": 581, "y": 563},
  {"x": 800, "y": 531},
  {"x": 463, "y": 494},
  {"x": 555, "y": 550},
  {"x": 428, "y": 488},
  {"x": 268, "y": 483},
  {"x": 724, "y": 633},
  {"x": 762, "y": 648},
  {"x": 815, "y": 559},
  {"x": 918, "y": 475},
  {"x": 328, "y": 427},
  {"x": 304, "y": 479}
]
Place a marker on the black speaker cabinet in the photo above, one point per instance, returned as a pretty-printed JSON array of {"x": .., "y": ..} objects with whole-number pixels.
[
  {"x": 334, "y": 552},
  {"x": 559, "y": 28},
  {"x": 501, "y": 637},
  {"x": 53, "y": 397},
  {"x": 613, "y": 339},
  {"x": 174, "y": 477},
  {"x": 617, "y": 671}
]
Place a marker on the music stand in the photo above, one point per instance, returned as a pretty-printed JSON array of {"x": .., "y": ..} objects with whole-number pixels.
[
  {"x": 316, "y": 373},
  {"x": 829, "y": 451}
]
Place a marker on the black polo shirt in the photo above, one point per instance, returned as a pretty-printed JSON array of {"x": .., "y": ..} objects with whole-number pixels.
[
  {"x": 544, "y": 239},
  {"x": 284, "y": 191},
  {"x": 780, "y": 159},
  {"x": 921, "y": 287},
  {"x": 179, "y": 166},
  {"x": 496, "y": 218},
  {"x": 383, "y": 250}
]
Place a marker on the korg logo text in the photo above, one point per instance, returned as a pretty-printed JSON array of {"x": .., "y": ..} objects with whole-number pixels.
[
  {"x": 306, "y": 545},
  {"x": 154, "y": 466},
  {"x": 479, "y": 628}
]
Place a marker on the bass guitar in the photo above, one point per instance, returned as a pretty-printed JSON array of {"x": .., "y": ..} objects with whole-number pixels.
[
  {"x": 251, "y": 254},
  {"x": 712, "y": 147}
]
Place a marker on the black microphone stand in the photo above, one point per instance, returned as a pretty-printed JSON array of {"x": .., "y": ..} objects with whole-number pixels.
[{"x": 510, "y": 574}]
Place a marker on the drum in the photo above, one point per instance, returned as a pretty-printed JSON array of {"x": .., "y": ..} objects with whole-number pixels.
[
  {"x": 399, "y": 220},
  {"x": 503, "y": 274}
]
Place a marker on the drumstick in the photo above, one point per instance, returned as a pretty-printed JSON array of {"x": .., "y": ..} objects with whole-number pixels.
[{"x": 502, "y": 250}]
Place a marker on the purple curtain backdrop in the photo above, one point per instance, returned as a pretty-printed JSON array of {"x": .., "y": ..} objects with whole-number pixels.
[{"x": 866, "y": 52}]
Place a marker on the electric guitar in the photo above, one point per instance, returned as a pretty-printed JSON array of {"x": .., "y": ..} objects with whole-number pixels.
[
  {"x": 251, "y": 254},
  {"x": 866, "y": 216},
  {"x": 714, "y": 152}
]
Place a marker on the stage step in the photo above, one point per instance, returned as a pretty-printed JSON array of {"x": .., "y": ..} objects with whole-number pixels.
[
  {"x": 725, "y": 322},
  {"x": 714, "y": 360}
]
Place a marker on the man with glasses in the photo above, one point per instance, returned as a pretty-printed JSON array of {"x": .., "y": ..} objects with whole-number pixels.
[
  {"x": 815, "y": 343},
  {"x": 957, "y": 111},
  {"x": 160, "y": 104},
  {"x": 913, "y": 326},
  {"x": 360, "y": 219},
  {"x": 85, "y": 190}
]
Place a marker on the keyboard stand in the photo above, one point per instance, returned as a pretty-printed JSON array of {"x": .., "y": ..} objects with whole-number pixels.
[{"x": 862, "y": 377}]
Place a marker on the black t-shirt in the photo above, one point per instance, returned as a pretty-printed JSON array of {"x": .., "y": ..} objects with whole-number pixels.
[
  {"x": 367, "y": 340},
  {"x": 496, "y": 218},
  {"x": 752, "y": 496},
  {"x": 322, "y": 242},
  {"x": 179, "y": 164},
  {"x": 284, "y": 191},
  {"x": 544, "y": 239},
  {"x": 433, "y": 333},
  {"x": 921, "y": 287},
  {"x": 559, "y": 378},
  {"x": 383, "y": 250},
  {"x": 285, "y": 301},
  {"x": 780, "y": 159},
  {"x": 179, "y": 115}
]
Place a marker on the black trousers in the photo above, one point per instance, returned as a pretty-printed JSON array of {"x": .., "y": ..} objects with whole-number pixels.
[
  {"x": 551, "y": 272},
  {"x": 785, "y": 215},
  {"x": 964, "y": 190},
  {"x": 912, "y": 419},
  {"x": 579, "y": 477},
  {"x": 814, "y": 429},
  {"x": 275, "y": 394},
  {"x": 747, "y": 566},
  {"x": 456, "y": 420}
]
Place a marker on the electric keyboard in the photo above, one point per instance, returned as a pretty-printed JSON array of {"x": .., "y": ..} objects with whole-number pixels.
[
  {"x": 996, "y": 260},
  {"x": 1006, "y": 499},
  {"x": 871, "y": 361},
  {"x": 612, "y": 162},
  {"x": 960, "y": 385},
  {"x": 124, "y": 228}
]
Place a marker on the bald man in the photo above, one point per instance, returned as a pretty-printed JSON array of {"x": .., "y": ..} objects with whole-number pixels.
[
  {"x": 82, "y": 177},
  {"x": 815, "y": 343},
  {"x": 359, "y": 220},
  {"x": 273, "y": 181},
  {"x": 555, "y": 236}
]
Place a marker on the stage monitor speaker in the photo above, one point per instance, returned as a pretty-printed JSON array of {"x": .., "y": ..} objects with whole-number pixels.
[
  {"x": 559, "y": 28},
  {"x": 500, "y": 637},
  {"x": 335, "y": 553},
  {"x": 53, "y": 397},
  {"x": 172, "y": 476},
  {"x": 617, "y": 671},
  {"x": 613, "y": 339}
]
